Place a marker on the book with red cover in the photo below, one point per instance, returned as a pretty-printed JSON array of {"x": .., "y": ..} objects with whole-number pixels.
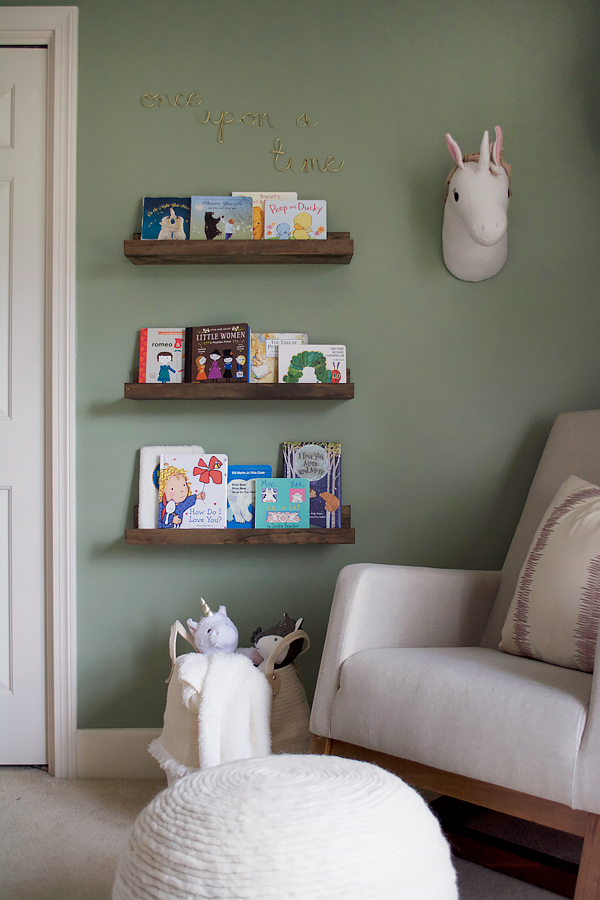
[{"x": 217, "y": 353}]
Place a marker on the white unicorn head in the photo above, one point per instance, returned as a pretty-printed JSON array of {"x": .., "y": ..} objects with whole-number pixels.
[{"x": 474, "y": 239}]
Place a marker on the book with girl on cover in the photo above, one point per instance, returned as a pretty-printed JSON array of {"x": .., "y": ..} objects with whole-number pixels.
[
  {"x": 321, "y": 463},
  {"x": 217, "y": 353},
  {"x": 192, "y": 490}
]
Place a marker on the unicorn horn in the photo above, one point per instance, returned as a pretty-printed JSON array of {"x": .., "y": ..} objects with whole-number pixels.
[
  {"x": 206, "y": 608},
  {"x": 484, "y": 153}
]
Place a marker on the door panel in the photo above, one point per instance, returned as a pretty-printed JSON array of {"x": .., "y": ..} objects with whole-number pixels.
[{"x": 22, "y": 504}]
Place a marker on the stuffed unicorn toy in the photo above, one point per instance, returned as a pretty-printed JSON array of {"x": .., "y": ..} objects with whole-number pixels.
[
  {"x": 474, "y": 240},
  {"x": 215, "y": 633}
]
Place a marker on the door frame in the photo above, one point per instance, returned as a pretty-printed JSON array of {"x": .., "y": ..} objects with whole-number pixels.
[{"x": 56, "y": 27}]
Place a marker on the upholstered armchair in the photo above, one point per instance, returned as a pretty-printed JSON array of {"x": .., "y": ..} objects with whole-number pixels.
[{"x": 412, "y": 678}]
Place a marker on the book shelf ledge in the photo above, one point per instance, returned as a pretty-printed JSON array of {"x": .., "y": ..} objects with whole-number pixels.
[
  {"x": 208, "y": 536},
  {"x": 236, "y": 391},
  {"x": 338, "y": 249}
]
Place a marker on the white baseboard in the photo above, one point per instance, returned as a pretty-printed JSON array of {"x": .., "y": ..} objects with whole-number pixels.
[{"x": 116, "y": 753}]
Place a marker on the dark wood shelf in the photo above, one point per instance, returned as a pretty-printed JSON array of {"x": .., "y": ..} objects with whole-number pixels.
[
  {"x": 207, "y": 536},
  {"x": 239, "y": 391},
  {"x": 338, "y": 249}
]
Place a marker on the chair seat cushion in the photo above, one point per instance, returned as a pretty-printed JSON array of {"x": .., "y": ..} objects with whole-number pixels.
[{"x": 473, "y": 711}]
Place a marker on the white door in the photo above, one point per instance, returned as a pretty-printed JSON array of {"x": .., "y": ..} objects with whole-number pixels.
[{"x": 22, "y": 501}]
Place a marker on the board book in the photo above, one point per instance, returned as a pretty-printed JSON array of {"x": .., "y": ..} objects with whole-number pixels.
[
  {"x": 192, "y": 490},
  {"x": 321, "y": 463},
  {"x": 221, "y": 218},
  {"x": 264, "y": 353},
  {"x": 148, "y": 481},
  {"x": 302, "y": 220},
  {"x": 217, "y": 353},
  {"x": 258, "y": 207},
  {"x": 313, "y": 363},
  {"x": 282, "y": 503},
  {"x": 166, "y": 218},
  {"x": 241, "y": 494},
  {"x": 161, "y": 359}
]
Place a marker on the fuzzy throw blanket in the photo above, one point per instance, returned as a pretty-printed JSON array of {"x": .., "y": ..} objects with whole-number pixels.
[{"x": 232, "y": 701}]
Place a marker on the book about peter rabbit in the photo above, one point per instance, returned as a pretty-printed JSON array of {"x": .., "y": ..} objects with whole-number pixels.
[
  {"x": 264, "y": 353},
  {"x": 321, "y": 463},
  {"x": 192, "y": 490},
  {"x": 215, "y": 354}
]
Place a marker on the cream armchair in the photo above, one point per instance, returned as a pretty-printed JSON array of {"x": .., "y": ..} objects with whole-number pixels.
[{"x": 411, "y": 679}]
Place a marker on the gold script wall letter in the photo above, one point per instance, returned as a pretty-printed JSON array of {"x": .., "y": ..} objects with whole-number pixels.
[{"x": 302, "y": 121}]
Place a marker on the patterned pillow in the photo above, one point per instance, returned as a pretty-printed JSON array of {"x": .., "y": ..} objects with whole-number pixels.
[{"x": 555, "y": 611}]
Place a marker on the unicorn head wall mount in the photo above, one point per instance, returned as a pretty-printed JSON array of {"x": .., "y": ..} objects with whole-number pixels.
[{"x": 474, "y": 239}]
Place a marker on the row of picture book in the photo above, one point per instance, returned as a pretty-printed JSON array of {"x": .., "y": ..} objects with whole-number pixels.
[
  {"x": 245, "y": 216},
  {"x": 217, "y": 354},
  {"x": 187, "y": 487}
]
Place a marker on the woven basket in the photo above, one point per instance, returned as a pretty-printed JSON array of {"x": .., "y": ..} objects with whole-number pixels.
[
  {"x": 180, "y": 729},
  {"x": 290, "y": 712}
]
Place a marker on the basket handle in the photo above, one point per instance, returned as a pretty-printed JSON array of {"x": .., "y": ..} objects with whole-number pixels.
[
  {"x": 177, "y": 628},
  {"x": 270, "y": 673}
]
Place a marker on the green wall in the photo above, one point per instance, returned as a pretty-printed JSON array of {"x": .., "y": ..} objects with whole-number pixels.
[{"x": 456, "y": 384}]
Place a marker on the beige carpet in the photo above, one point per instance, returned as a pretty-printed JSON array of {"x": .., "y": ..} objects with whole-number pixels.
[{"x": 61, "y": 840}]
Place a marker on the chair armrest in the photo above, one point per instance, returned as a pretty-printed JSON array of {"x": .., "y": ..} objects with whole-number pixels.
[{"x": 399, "y": 606}]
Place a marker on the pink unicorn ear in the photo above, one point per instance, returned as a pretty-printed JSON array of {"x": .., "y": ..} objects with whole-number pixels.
[
  {"x": 454, "y": 151},
  {"x": 497, "y": 146}
]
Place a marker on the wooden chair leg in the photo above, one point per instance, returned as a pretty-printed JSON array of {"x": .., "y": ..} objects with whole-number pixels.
[{"x": 588, "y": 879}]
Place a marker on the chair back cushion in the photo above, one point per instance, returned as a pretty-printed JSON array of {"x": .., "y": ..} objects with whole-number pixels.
[
  {"x": 573, "y": 448},
  {"x": 555, "y": 609}
]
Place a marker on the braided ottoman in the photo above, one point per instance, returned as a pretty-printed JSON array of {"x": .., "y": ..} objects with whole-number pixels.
[{"x": 287, "y": 828}]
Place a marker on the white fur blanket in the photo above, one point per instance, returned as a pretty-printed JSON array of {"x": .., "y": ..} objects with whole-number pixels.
[{"x": 233, "y": 702}]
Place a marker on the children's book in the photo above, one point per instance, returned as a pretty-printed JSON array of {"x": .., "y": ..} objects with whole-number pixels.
[
  {"x": 161, "y": 355},
  {"x": 166, "y": 219},
  {"x": 321, "y": 463},
  {"x": 282, "y": 503},
  {"x": 258, "y": 207},
  {"x": 241, "y": 490},
  {"x": 313, "y": 363},
  {"x": 148, "y": 483},
  {"x": 264, "y": 353},
  {"x": 221, "y": 219},
  {"x": 217, "y": 353},
  {"x": 192, "y": 490},
  {"x": 303, "y": 220}
]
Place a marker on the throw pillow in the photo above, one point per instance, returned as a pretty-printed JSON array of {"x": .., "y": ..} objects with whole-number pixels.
[{"x": 555, "y": 611}]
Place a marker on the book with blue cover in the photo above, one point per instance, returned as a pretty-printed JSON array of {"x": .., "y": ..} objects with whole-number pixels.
[
  {"x": 321, "y": 463},
  {"x": 166, "y": 219},
  {"x": 241, "y": 493},
  {"x": 282, "y": 503},
  {"x": 221, "y": 218}
]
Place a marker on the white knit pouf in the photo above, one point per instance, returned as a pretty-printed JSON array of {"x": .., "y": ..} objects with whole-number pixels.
[{"x": 287, "y": 828}]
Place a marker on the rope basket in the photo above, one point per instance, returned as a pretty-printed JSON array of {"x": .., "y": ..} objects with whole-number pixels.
[{"x": 290, "y": 713}]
